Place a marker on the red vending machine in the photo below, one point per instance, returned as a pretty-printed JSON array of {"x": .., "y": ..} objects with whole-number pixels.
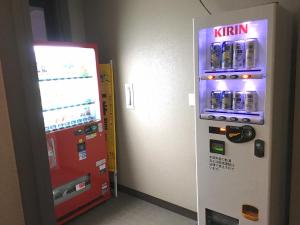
[{"x": 72, "y": 110}]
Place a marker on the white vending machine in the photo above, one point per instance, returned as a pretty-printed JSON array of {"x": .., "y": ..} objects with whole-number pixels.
[{"x": 242, "y": 75}]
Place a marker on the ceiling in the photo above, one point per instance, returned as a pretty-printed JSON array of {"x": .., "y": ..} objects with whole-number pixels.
[{"x": 215, "y": 6}]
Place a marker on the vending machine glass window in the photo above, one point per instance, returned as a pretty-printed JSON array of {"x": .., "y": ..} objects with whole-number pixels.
[
  {"x": 232, "y": 72},
  {"x": 68, "y": 86}
]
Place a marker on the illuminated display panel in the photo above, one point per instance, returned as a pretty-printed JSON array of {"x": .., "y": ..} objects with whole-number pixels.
[
  {"x": 217, "y": 77},
  {"x": 254, "y": 29},
  {"x": 68, "y": 85},
  {"x": 217, "y": 147}
]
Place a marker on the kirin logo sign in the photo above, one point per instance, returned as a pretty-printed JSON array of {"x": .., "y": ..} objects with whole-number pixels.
[{"x": 231, "y": 30}]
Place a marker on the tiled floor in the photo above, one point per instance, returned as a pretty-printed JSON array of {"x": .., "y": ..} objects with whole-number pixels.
[{"x": 128, "y": 210}]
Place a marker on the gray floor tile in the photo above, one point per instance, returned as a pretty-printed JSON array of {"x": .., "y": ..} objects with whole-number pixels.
[{"x": 128, "y": 210}]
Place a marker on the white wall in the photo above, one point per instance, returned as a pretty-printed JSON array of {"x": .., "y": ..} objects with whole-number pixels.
[{"x": 151, "y": 45}]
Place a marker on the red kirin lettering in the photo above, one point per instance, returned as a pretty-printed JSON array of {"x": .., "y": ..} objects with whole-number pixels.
[{"x": 231, "y": 30}]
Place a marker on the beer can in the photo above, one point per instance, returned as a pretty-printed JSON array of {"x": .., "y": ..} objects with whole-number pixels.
[
  {"x": 215, "y": 55},
  {"x": 226, "y": 100},
  {"x": 238, "y": 101},
  {"x": 238, "y": 54},
  {"x": 215, "y": 99},
  {"x": 251, "y": 101},
  {"x": 227, "y": 51},
  {"x": 251, "y": 46}
]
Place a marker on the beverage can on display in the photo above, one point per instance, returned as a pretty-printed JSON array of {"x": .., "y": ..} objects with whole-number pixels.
[
  {"x": 238, "y": 54},
  {"x": 251, "y": 101},
  {"x": 226, "y": 100},
  {"x": 251, "y": 52},
  {"x": 215, "y": 55},
  {"x": 215, "y": 99},
  {"x": 238, "y": 100},
  {"x": 227, "y": 51}
]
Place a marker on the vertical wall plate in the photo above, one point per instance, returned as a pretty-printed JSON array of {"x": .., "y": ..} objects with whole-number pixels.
[
  {"x": 129, "y": 96},
  {"x": 191, "y": 99}
]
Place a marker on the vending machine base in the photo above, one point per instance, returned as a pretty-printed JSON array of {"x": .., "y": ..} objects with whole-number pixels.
[
  {"x": 83, "y": 209},
  {"x": 215, "y": 218}
]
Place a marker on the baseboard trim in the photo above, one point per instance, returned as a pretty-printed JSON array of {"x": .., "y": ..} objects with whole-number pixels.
[{"x": 161, "y": 203}]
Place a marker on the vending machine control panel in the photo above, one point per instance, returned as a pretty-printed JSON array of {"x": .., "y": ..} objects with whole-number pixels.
[{"x": 241, "y": 134}]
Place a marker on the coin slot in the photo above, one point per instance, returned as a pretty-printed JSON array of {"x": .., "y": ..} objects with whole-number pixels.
[
  {"x": 250, "y": 212},
  {"x": 217, "y": 130}
]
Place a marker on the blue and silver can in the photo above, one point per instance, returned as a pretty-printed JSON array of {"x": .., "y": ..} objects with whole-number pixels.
[
  {"x": 251, "y": 101},
  {"x": 227, "y": 100},
  {"x": 238, "y": 101},
  {"x": 251, "y": 46},
  {"x": 227, "y": 52},
  {"x": 215, "y": 55},
  {"x": 239, "y": 54},
  {"x": 215, "y": 99}
]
